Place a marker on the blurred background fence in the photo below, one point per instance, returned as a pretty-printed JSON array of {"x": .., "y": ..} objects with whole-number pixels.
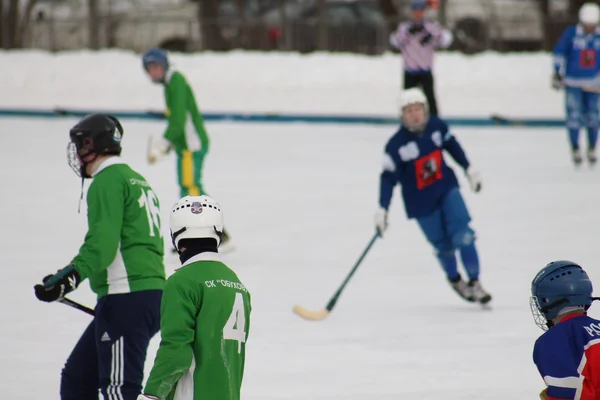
[{"x": 360, "y": 26}]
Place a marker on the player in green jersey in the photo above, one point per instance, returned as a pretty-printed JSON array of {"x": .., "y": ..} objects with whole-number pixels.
[
  {"x": 185, "y": 132},
  {"x": 122, "y": 256},
  {"x": 205, "y": 313}
]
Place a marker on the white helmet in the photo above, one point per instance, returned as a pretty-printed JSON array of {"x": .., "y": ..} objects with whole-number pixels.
[
  {"x": 589, "y": 14},
  {"x": 412, "y": 96},
  {"x": 196, "y": 217}
]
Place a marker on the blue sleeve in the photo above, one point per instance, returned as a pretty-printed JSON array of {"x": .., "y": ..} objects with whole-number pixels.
[
  {"x": 556, "y": 366},
  {"x": 562, "y": 48},
  {"x": 387, "y": 181},
  {"x": 451, "y": 145}
]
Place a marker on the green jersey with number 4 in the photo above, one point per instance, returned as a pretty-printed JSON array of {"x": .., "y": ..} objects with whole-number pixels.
[
  {"x": 123, "y": 248},
  {"x": 205, "y": 319}
]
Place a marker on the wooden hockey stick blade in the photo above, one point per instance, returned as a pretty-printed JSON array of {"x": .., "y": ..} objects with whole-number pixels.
[
  {"x": 310, "y": 315},
  {"x": 149, "y": 157},
  {"x": 500, "y": 120}
]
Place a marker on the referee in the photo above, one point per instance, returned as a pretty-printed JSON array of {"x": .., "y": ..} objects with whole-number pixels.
[{"x": 417, "y": 40}]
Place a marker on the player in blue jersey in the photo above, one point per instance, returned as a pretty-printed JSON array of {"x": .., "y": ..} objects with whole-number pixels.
[
  {"x": 568, "y": 354},
  {"x": 413, "y": 158},
  {"x": 577, "y": 69}
]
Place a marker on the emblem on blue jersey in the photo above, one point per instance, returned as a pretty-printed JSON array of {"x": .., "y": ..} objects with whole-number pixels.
[{"x": 196, "y": 208}]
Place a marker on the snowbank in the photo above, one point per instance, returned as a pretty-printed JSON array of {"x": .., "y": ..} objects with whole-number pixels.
[{"x": 513, "y": 84}]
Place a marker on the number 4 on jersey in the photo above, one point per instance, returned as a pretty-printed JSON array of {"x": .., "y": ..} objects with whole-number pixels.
[{"x": 235, "y": 325}]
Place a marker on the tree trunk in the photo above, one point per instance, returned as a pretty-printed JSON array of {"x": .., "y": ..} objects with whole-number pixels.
[
  {"x": 574, "y": 6},
  {"x": 25, "y": 20},
  {"x": 322, "y": 25},
  {"x": 2, "y": 25},
  {"x": 11, "y": 20},
  {"x": 93, "y": 25},
  {"x": 242, "y": 29},
  {"x": 208, "y": 16},
  {"x": 284, "y": 31},
  {"x": 442, "y": 13},
  {"x": 389, "y": 12}
]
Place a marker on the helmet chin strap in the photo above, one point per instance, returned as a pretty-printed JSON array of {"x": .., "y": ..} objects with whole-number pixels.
[
  {"x": 80, "y": 197},
  {"x": 84, "y": 174}
]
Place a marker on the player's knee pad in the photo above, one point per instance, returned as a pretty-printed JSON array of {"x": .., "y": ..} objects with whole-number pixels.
[
  {"x": 574, "y": 120},
  {"x": 592, "y": 119},
  {"x": 443, "y": 250},
  {"x": 464, "y": 237}
]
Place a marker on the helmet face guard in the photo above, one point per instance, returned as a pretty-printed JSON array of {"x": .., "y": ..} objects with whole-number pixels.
[
  {"x": 78, "y": 150},
  {"x": 539, "y": 312}
]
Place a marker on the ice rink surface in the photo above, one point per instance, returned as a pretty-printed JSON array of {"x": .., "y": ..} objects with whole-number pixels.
[{"x": 299, "y": 203}]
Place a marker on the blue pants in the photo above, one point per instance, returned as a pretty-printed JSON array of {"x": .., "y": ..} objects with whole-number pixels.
[
  {"x": 582, "y": 110},
  {"x": 111, "y": 353},
  {"x": 447, "y": 229}
]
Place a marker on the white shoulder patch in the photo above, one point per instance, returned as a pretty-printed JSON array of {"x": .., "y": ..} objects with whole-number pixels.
[{"x": 387, "y": 163}]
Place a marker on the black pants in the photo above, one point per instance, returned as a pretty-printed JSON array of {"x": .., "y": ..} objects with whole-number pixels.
[
  {"x": 111, "y": 353},
  {"x": 425, "y": 81}
]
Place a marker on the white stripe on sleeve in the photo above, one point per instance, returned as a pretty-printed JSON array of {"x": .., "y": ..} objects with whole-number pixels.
[
  {"x": 387, "y": 163},
  {"x": 570, "y": 382}
]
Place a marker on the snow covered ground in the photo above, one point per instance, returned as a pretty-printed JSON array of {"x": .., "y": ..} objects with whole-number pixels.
[
  {"x": 299, "y": 201},
  {"x": 513, "y": 84}
]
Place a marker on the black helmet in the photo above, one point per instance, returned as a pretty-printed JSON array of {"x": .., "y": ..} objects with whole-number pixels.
[{"x": 94, "y": 135}]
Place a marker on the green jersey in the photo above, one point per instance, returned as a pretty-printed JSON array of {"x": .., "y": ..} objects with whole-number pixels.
[
  {"x": 186, "y": 126},
  {"x": 123, "y": 248},
  {"x": 205, "y": 319}
]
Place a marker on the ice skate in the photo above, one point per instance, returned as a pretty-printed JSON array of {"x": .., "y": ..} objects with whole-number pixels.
[
  {"x": 478, "y": 294},
  {"x": 576, "y": 155},
  {"x": 591, "y": 156},
  {"x": 462, "y": 289}
]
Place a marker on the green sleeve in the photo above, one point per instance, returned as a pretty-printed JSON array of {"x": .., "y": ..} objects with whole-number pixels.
[
  {"x": 105, "y": 201},
  {"x": 177, "y": 93},
  {"x": 199, "y": 124},
  {"x": 177, "y": 327}
]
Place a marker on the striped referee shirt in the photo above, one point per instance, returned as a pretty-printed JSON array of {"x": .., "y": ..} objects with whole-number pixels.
[{"x": 418, "y": 57}]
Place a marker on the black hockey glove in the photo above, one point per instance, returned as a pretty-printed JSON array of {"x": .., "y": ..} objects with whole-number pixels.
[
  {"x": 414, "y": 29},
  {"x": 426, "y": 39},
  {"x": 557, "y": 81},
  {"x": 56, "y": 286}
]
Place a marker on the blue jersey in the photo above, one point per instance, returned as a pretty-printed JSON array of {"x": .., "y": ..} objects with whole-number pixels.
[
  {"x": 576, "y": 57},
  {"x": 568, "y": 358},
  {"x": 417, "y": 163}
]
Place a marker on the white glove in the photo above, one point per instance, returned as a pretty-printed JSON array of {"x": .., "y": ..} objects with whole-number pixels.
[
  {"x": 381, "y": 223},
  {"x": 474, "y": 179},
  {"x": 146, "y": 397},
  {"x": 158, "y": 148}
]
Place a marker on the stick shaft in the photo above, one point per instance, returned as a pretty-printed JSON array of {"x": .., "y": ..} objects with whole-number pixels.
[
  {"x": 337, "y": 294},
  {"x": 80, "y": 307}
]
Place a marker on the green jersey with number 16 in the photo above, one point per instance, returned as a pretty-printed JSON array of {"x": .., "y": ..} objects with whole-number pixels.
[
  {"x": 205, "y": 319},
  {"x": 123, "y": 248}
]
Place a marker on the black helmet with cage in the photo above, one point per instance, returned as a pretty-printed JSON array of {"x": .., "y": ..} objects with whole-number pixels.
[{"x": 94, "y": 135}]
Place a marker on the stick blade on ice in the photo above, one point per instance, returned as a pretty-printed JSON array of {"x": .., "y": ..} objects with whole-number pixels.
[{"x": 310, "y": 315}]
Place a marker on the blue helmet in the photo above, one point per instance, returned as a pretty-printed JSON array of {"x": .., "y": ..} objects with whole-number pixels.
[
  {"x": 418, "y": 4},
  {"x": 558, "y": 285},
  {"x": 155, "y": 56}
]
